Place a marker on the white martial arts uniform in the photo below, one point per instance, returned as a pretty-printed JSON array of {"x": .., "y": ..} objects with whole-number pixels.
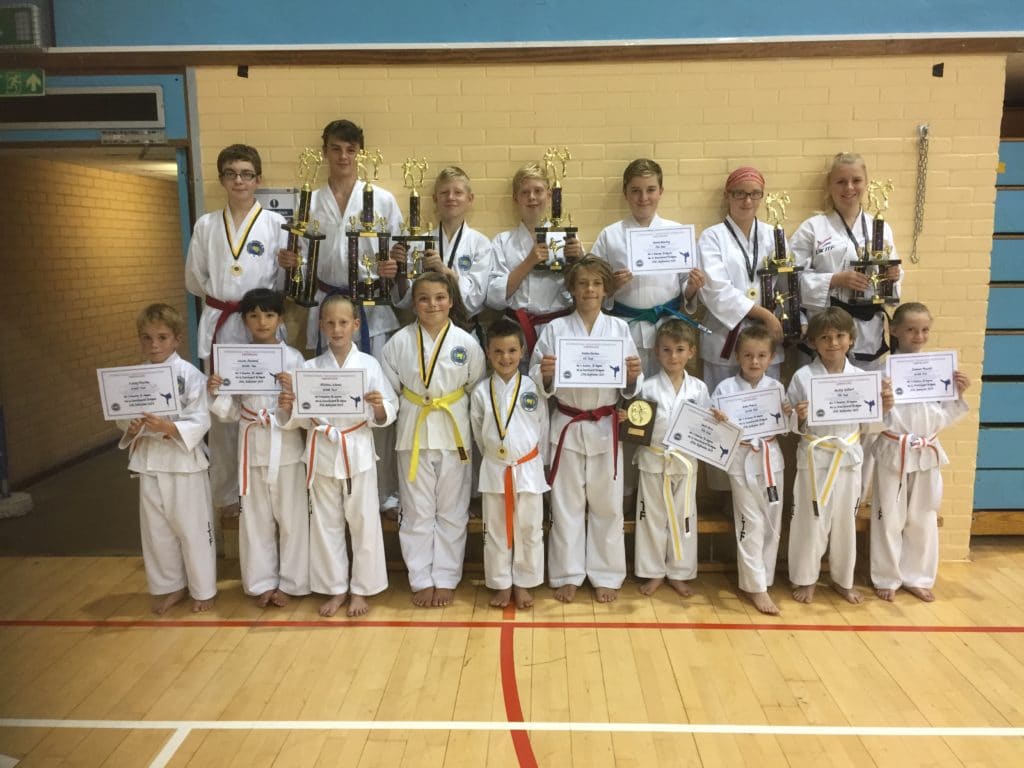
[
  {"x": 586, "y": 491},
  {"x": 756, "y": 479},
  {"x": 341, "y": 473},
  {"x": 834, "y": 526},
  {"x": 435, "y": 481},
  {"x": 731, "y": 291},
  {"x": 273, "y": 528},
  {"x": 332, "y": 268},
  {"x": 908, "y": 492},
  {"x": 175, "y": 510},
  {"x": 541, "y": 293},
  {"x": 512, "y": 441},
  {"x": 645, "y": 295},
  {"x": 208, "y": 274},
  {"x": 666, "y": 537},
  {"x": 822, "y": 245}
]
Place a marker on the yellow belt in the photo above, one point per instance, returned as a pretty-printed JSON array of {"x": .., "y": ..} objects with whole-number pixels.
[
  {"x": 666, "y": 491},
  {"x": 838, "y": 446},
  {"x": 427, "y": 404}
]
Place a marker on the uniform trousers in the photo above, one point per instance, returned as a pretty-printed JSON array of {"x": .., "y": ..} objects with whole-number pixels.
[
  {"x": 904, "y": 528},
  {"x": 522, "y": 564},
  {"x": 273, "y": 532},
  {"x": 835, "y": 529},
  {"x": 758, "y": 527},
  {"x": 655, "y": 555}
]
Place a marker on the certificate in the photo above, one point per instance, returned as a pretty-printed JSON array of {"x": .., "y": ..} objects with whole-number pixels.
[
  {"x": 248, "y": 368},
  {"x": 591, "y": 362},
  {"x": 132, "y": 390},
  {"x": 845, "y": 398},
  {"x": 329, "y": 393},
  {"x": 697, "y": 432},
  {"x": 924, "y": 377},
  {"x": 757, "y": 412},
  {"x": 666, "y": 249}
]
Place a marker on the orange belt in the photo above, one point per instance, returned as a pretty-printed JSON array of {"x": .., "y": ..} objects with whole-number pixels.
[
  {"x": 906, "y": 441},
  {"x": 510, "y": 492},
  {"x": 757, "y": 446},
  {"x": 259, "y": 418},
  {"x": 334, "y": 435}
]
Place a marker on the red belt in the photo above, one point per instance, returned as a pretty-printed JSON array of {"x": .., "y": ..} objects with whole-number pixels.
[
  {"x": 227, "y": 308},
  {"x": 529, "y": 321},
  {"x": 577, "y": 415},
  {"x": 510, "y": 492},
  {"x": 730, "y": 342}
]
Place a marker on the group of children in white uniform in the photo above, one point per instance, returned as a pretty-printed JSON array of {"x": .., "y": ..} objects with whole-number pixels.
[{"x": 430, "y": 377}]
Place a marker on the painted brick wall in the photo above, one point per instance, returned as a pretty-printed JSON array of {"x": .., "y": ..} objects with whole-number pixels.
[
  {"x": 83, "y": 251},
  {"x": 699, "y": 120}
]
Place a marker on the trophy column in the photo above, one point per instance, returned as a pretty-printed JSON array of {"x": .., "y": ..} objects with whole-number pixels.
[
  {"x": 416, "y": 238},
  {"x": 561, "y": 228},
  {"x": 371, "y": 289},
  {"x": 300, "y": 285},
  {"x": 873, "y": 260},
  {"x": 780, "y": 277}
]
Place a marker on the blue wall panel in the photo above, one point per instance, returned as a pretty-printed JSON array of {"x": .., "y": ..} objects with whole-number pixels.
[
  {"x": 1005, "y": 308},
  {"x": 1004, "y": 356},
  {"x": 999, "y": 489},
  {"x": 1001, "y": 448},
  {"x": 1002, "y": 402},
  {"x": 1011, "y": 155},
  {"x": 1008, "y": 259},
  {"x": 1010, "y": 211}
]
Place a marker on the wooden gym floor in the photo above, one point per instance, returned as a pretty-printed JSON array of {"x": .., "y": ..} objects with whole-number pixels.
[{"x": 89, "y": 678}]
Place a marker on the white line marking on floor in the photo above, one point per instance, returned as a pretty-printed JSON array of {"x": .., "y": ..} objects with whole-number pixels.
[{"x": 163, "y": 759}]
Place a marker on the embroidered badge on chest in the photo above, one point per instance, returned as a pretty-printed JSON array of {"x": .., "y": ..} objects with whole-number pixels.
[
  {"x": 181, "y": 386},
  {"x": 464, "y": 262},
  {"x": 255, "y": 248},
  {"x": 528, "y": 401},
  {"x": 459, "y": 355}
]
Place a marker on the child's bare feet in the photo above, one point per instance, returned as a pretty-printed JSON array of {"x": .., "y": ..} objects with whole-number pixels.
[
  {"x": 764, "y": 603},
  {"x": 501, "y": 597},
  {"x": 850, "y": 595},
  {"x": 424, "y": 598},
  {"x": 523, "y": 596},
  {"x": 922, "y": 593},
  {"x": 650, "y": 586},
  {"x": 680, "y": 587},
  {"x": 263, "y": 600},
  {"x": 442, "y": 597},
  {"x": 804, "y": 594},
  {"x": 885, "y": 594},
  {"x": 280, "y": 599},
  {"x": 202, "y": 606},
  {"x": 606, "y": 594},
  {"x": 357, "y": 607},
  {"x": 566, "y": 594},
  {"x": 161, "y": 603},
  {"x": 331, "y": 607}
]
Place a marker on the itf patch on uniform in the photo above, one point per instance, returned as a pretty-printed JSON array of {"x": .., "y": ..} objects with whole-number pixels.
[
  {"x": 459, "y": 355},
  {"x": 255, "y": 247},
  {"x": 528, "y": 400},
  {"x": 181, "y": 386},
  {"x": 465, "y": 262}
]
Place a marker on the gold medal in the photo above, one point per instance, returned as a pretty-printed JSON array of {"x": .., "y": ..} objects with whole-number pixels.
[
  {"x": 427, "y": 400},
  {"x": 752, "y": 293},
  {"x": 501, "y": 451},
  {"x": 236, "y": 269},
  {"x": 640, "y": 413}
]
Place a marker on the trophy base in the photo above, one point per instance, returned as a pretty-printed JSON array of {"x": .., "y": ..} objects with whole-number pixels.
[{"x": 304, "y": 302}]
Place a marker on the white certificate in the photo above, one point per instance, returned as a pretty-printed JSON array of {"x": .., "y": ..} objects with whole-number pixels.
[
  {"x": 132, "y": 390},
  {"x": 591, "y": 362},
  {"x": 697, "y": 432},
  {"x": 757, "y": 412},
  {"x": 924, "y": 377},
  {"x": 248, "y": 368},
  {"x": 845, "y": 398},
  {"x": 330, "y": 393},
  {"x": 666, "y": 249}
]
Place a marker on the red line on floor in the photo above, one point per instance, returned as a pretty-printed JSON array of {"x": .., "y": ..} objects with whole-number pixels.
[
  {"x": 434, "y": 624},
  {"x": 510, "y": 690}
]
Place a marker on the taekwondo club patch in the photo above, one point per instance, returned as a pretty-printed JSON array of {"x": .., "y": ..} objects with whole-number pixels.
[
  {"x": 465, "y": 262},
  {"x": 459, "y": 355},
  {"x": 255, "y": 248},
  {"x": 181, "y": 386},
  {"x": 528, "y": 400}
]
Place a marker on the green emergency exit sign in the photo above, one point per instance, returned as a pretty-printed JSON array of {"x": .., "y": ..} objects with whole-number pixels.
[{"x": 22, "y": 82}]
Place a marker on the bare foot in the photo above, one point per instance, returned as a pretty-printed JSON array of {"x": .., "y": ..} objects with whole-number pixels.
[
  {"x": 804, "y": 594},
  {"x": 566, "y": 594},
  {"x": 501, "y": 598},
  {"x": 202, "y": 606},
  {"x": 650, "y": 586},
  {"x": 331, "y": 607},
  {"x": 764, "y": 603},
  {"x": 922, "y": 593},
  {"x": 280, "y": 599},
  {"x": 850, "y": 595},
  {"x": 263, "y": 600},
  {"x": 424, "y": 598},
  {"x": 680, "y": 587},
  {"x": 161, "y": 603},
  {"x": 358, "y": 607},
  {"x": 605, "y": 594},
  {"x": 442, "y": 597},
  {"x": 885, "y": 594},
  {"x": 524, "y": 598}
]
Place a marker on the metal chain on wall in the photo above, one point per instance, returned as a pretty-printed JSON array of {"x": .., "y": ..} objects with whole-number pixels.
[{"x": 922, "y": 177}]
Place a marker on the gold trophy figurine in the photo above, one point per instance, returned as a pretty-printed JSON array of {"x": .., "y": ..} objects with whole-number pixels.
[
  {"x": 301, "y": 279},
  {"x": 418, "y": 239},
  {"x": 780, "y": 277},
  {"x": 874, "y": 260},
  {"x": 555, "y": 161},
  {"x": 363, "y": 172}
]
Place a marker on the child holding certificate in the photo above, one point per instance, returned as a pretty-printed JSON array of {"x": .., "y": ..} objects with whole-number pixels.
[
  {"x": 828, "y": 474},
  {"x": 273, "y": 529},
  {"x": 756, "y": 474},
  {"x": 341, "y": 471},
  {"x": 586, "y": 469},
  {"x": 644, "y": 300},
  {"x": 510, "y": 425},
  {"x": 433, "y": 363},
  {"x": 666, "y": 501},
  {"x": 175, "y": 507},
  {"x": 908, "y": 480}
]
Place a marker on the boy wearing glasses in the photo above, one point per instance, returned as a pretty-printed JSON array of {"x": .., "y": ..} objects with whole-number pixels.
[{"x": 232, "y": 251}]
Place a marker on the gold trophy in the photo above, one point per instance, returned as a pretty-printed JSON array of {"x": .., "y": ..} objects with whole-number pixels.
[
  {"x": 301, "y": 279},
  {"x": 780, "y": 277},
  {"x": 418, "y": 239},
  {"x": 555, "y": 161},
  {"x": 372, "y": 289},
  {"x": 873, "y": 259}
]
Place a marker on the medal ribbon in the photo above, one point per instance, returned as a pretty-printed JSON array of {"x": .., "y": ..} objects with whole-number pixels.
[
  {"x": 849, "y": 232},
  {"x": 455, "y": 245},
  {"x": 427, "y": 372},
  {"x": 751, "y": 267},
  {"x": 247, "y": 225},
  {"x": 496, "y": 409}
]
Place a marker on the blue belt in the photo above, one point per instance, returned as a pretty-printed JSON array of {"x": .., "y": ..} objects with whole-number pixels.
[{"x": 654, "y": 314}]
